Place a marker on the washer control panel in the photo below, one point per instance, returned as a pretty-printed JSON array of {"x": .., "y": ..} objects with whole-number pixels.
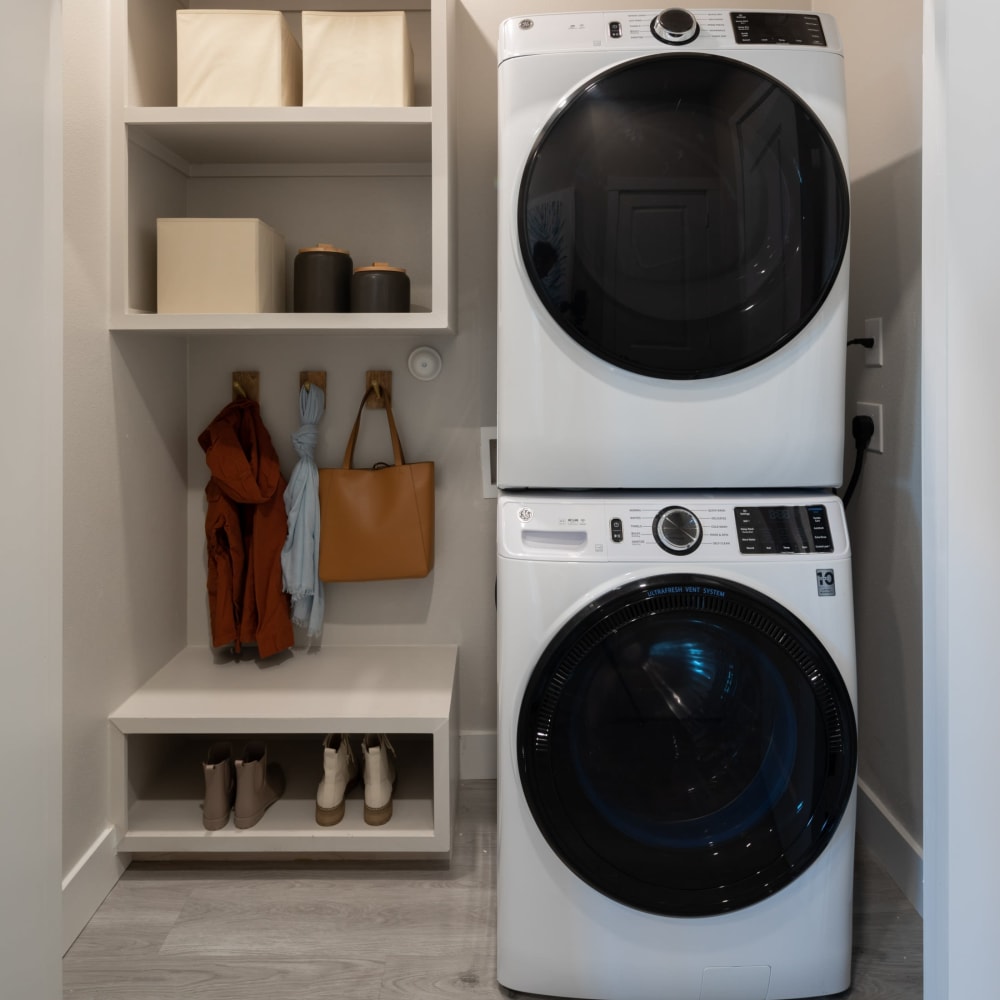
[{"x": 658, "y": 527}]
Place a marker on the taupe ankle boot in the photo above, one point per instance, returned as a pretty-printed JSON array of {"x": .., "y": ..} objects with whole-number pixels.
[
  {"x": 219, "y": 786},
  {"x": 258, "y": 785}
]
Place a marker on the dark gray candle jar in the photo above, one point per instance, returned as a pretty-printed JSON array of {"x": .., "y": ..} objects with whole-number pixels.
[
  {"x": 380, "y": 287},
  {"x": 322, "y": 279}
]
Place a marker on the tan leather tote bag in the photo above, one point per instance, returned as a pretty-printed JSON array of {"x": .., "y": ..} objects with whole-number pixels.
[{"x": 378, "y": 523}]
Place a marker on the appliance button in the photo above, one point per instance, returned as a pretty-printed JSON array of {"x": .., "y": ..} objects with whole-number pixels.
[
  {"x": 677, "y": 531},
  {"x": 675, "y": 26}
]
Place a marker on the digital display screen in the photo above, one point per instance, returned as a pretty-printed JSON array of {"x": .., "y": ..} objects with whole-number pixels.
[
  {"x": 768, "y": 530},
  {"x": 758, "y": 28}
]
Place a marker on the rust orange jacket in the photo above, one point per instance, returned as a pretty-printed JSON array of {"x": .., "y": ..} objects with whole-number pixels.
[{"x": 245, "y": 528}]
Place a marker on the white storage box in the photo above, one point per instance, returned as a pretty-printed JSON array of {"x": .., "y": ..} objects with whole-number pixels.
[
  {"x": 236, "y": 59},
  {"x": 219, "y": 266},
  {"x": 356, "y": 59}
]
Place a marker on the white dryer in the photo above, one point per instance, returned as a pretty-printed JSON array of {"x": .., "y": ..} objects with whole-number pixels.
[
  {"x": 677, "y": 746},
  {"x": 673, "y": 250}
]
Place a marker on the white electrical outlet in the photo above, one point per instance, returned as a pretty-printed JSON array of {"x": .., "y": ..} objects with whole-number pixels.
[
  {"x": 873, "y": 410},
  {"x": 873, "y": 354}
]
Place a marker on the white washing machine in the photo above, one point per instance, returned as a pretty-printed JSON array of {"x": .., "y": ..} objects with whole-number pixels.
[
  {"x": 677, "y": 746},
  {"x": 673, "y": 250}
]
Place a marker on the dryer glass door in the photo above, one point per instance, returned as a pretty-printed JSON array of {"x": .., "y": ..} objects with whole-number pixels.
[
  {"x": 686, "y": 746},
  {"x": 683, "y": 216}
]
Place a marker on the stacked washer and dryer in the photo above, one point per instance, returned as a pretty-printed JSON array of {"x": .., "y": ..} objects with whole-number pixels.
[{"x": 677, "y": 731}]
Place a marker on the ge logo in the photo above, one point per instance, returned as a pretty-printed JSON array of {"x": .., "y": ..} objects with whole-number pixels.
[{"x": 525, "y": 514}]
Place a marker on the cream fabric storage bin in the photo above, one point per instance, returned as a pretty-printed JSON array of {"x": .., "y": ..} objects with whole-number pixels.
[
  {"x": 356, "y": 59},
  {"x": 236, "y": 58},
  {"x": 219, "y": 266}
]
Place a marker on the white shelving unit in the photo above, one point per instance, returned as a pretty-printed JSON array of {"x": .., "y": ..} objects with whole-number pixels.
[
  {"x": 375, "y": 181},
  {"x": 160, "y": 734}
]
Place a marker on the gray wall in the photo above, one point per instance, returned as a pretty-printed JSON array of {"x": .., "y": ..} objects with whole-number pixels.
[{"x": 883, "y": 51}]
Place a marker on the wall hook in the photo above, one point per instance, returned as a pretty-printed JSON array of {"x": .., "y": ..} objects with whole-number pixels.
[
  {"x": 246, "y": 385},
  {"x": 381, "y": 382},
  {"x": 313, "y": 378}
]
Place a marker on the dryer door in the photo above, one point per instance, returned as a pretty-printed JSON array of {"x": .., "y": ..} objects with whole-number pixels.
[
  {"x": 686, "y": 746},
  {"x": 683, "y": 216}
]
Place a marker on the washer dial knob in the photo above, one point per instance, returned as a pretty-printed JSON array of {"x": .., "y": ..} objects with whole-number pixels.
[
  {"x": 675, "y": 26},
  {"x": 677, "y": 531}
]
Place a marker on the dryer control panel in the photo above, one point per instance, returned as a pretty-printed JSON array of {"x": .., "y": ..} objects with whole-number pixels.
[{"x": 674, "y": 29}]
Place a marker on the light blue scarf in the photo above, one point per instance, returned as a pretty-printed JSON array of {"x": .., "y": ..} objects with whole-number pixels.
[{"x": 300, "y": 554}]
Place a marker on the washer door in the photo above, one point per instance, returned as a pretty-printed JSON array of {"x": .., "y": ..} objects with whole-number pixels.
[
  {"x": 686, "y": 746},
  {"x": 683, "y": 216}
]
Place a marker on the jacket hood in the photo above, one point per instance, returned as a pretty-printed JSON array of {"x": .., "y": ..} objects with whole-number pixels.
[{"x": 240, "y": 455}]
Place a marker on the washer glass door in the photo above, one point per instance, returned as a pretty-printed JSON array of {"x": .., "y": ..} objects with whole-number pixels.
[
  {"x": 686, "y": 746},
  {"x": 683, "y": 216}
]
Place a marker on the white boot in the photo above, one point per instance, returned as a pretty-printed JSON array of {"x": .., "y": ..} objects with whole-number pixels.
[
  {"x": 380, "y": 776},
  {"x": 340, "y": 775}
]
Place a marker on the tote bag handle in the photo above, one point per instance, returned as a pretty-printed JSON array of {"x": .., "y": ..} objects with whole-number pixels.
[{"x": 397, "y": 448}]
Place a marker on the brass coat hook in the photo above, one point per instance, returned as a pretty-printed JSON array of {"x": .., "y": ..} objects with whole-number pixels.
[
  {"x": 381, "y": 382},
  {"x": 246, "y": 385},
  {"x": 309, "y": 379}
]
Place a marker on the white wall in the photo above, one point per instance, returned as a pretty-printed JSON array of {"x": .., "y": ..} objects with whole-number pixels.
[
  {"x": 883, "y": 44},
  {"x": 961, "y": 418},
  {"x": 30, "y": 452},
  {"x": 124, "y": 442}
]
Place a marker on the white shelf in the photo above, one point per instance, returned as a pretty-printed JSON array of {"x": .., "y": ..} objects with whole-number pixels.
[
  {"x": 157, "y": 827},
  {"x": 283, "y": 323},
  {"x": 376, "y": 181},
  {"x": 370, "y": 138},
  {"x": 160, "y": 733}
]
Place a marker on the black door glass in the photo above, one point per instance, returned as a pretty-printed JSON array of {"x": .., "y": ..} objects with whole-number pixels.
[
  {"x": 687, "y": 746},
  {"x": 683, "y": 216}
]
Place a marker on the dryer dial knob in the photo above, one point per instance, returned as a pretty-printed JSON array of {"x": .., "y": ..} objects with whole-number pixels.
[
  {"x": 677, "y": 531},
  {"x": 675, "y": 26}
]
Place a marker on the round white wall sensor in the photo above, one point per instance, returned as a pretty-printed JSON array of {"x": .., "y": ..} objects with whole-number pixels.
[{"x": 424, "y": 363}]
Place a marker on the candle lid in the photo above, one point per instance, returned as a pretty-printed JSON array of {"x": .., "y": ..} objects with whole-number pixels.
[
  {"x": 323, "y": 248},
  {"x": 380, "y": 265}
]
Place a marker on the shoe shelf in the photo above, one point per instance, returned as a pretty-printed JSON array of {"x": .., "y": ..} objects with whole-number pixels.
[{"x": 160, "y": 734}]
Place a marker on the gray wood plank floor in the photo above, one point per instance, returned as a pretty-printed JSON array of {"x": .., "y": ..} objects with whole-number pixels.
[{"x": 371, "y": 930}]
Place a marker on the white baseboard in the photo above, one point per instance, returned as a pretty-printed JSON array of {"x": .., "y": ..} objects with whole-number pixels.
[
  {"x": 897, "y": 851},
  {"x": 89, "y": 882},
  {"x": 477, "y": 754}
]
